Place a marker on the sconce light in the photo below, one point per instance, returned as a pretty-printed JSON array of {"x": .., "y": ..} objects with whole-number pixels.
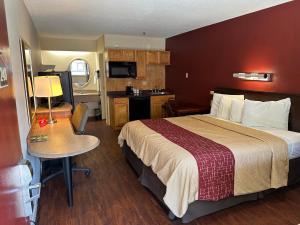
[{"x": 267, "y": 77}]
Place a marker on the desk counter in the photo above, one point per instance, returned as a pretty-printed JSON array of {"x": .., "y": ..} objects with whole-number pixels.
[{"x": 62, "y": 141}]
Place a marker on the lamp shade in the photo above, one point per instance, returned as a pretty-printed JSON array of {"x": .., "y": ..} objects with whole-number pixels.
[{"x": 47, "y": 86}]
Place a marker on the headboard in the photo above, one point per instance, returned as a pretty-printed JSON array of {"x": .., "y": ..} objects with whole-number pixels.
[{"x": 294, "y": 117}]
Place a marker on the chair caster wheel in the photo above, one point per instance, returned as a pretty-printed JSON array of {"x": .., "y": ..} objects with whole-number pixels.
[{"x": 87, "y": 173}]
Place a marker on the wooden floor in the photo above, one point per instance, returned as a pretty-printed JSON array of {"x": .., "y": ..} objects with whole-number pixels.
[{"x": 113, "y": 196}]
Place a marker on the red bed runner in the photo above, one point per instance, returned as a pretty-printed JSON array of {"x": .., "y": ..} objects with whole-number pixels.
[{"x": 215, "y": 161}]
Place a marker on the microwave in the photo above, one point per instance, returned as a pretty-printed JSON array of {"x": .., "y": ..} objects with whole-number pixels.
[{"x": 121, "y": 69}]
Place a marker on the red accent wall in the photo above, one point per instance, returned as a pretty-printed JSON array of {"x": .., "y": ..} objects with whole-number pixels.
[{"x": 264, "y": 41}]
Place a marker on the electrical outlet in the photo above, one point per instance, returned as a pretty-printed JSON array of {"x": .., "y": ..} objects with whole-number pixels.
[{"x": 186, "y": 75}]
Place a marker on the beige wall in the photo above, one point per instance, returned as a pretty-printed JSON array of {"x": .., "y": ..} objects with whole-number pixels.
[
  {"x": 20, "y": 25},
  {"x": 62, "y": 60},
  {"x": 100, "y": 44},
  {"x": 61, "y": 44},
  {"x": 134, "y": 42}
]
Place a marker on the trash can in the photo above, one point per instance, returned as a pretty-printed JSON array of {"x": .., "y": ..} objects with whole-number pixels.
[{"x": 98, "y": 114}]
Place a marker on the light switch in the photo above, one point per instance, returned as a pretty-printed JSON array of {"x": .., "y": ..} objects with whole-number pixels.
[
  {"x": 186, "y": 75},
  {"x": 3, "y": 77}
]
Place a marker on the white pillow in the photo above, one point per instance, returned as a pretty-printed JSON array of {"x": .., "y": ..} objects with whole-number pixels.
[
  {"x": 224, "y": 107},
  {"x": 272, "y": 114},
  {"x": 217, "y": 100},
  {"x": 236, "y": 111}
]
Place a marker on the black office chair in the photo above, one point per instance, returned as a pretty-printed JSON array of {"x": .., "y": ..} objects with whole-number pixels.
[{"x": 79, "y": 120}]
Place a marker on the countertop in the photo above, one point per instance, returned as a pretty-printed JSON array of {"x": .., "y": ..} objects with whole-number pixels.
[
  {"x": 123, "y": 94},
  {"x": 85, "y": 92}
]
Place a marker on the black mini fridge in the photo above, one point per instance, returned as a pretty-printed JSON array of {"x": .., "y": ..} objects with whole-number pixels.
[{"x": 139, "y": 107}]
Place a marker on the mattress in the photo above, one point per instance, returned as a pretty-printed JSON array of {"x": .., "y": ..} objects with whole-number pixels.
[{"x": 290, "y": 137}]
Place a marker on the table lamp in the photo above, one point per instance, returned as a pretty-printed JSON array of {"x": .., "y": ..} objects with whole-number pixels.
[{"x": 47, "y": 86}]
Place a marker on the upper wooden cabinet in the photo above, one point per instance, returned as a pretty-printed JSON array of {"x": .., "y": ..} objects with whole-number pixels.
[
  {"x": 114, "y": 54},
  {"x": 164, "y": 57},
  {"x": 126, "y": 55},
  {"x": 152, "y": 57},
  {"x": 158, "y": 57},
  {"x": 140, "y": 56}
]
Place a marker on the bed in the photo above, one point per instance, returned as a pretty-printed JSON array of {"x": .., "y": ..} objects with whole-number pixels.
[{"x": 191, "y": 188}]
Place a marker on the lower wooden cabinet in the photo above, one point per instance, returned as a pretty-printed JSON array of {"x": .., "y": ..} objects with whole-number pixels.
[
  {"x": 119, "y": 112},
  {"x": 157, "y": 102},
  {"x": 119, "y": 109}
]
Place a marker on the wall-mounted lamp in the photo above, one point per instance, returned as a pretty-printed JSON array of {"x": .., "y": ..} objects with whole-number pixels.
[{"x": 267, "y": 77}]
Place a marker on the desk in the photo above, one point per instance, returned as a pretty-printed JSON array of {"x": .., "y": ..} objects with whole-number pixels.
[{"x": 62, "y": 143}]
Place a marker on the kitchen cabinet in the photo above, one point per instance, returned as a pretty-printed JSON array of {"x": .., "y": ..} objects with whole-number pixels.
[
  {"x": 140, "y": 56},
  {"x": 157, "y": 102},
  {"x": 158, "y": 57},
  {"x": 126, "y": 55},
  {"x": 119, "y": 109},
  {"x": 119, "y": 112},
  {"x": 164, "y": 57},
  {"x": 114, "y": 54},
  {"x": 152, "y": 57}
]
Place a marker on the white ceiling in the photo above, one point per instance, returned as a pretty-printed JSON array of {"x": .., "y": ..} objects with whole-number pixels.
[{"x": 158, "y": 18}]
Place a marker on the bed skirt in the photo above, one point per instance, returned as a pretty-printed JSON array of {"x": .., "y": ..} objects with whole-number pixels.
[{"x": 198, "y": 208}]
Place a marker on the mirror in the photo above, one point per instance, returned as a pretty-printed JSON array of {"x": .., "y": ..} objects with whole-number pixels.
[
  {"x": 80, "y": 72},
  {"x": 28, "y": 79}
]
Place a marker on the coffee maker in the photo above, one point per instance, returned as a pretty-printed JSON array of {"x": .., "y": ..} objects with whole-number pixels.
[{"x": 129, "y": 90}]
